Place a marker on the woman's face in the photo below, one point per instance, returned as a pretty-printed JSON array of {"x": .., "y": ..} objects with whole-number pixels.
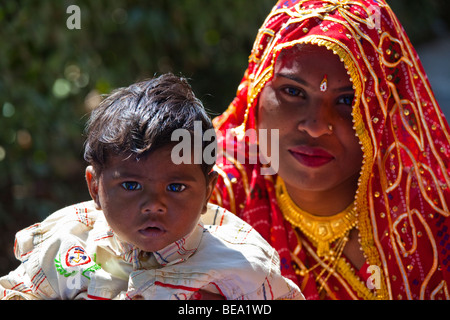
[{"x": 319, "y": 151}]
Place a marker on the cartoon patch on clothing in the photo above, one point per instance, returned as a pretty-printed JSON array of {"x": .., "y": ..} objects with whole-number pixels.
[{"x": 76, "y": 256}]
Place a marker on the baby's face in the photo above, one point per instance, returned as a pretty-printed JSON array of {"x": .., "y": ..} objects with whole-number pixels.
[{"x": 152, "y": 202}]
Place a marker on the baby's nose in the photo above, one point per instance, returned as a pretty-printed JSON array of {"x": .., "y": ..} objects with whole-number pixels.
[{"x": 153, "y": 203}]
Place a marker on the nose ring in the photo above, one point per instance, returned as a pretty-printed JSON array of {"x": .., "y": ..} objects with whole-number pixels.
[{"x": 330, "y": 127}]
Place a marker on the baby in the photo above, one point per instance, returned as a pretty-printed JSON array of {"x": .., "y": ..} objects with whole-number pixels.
[{"x": 149, "y": 232}]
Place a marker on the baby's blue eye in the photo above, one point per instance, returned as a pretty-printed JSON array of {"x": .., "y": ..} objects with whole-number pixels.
[
  {"x": 131, "y": 185},
  {"x": 176, "y": 187}
]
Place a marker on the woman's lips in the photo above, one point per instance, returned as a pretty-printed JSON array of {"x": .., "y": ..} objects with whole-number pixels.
[{"x": 311, "y": 156}]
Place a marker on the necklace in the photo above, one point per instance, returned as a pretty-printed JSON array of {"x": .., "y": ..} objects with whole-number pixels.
[{"x": 322, "y": 231}]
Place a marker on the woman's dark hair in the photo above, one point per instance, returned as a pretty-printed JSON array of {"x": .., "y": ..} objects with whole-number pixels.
[{"x": 136, "y": 120}]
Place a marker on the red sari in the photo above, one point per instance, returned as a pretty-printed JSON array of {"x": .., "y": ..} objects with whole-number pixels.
[{"x": 403, "y": 193}]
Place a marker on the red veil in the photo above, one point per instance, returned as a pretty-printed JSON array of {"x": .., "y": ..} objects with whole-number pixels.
[{"x": 403, "y": 192}]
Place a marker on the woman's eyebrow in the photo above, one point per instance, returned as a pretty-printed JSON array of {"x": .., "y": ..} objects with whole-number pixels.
[
  {"x": 305, "y": 83},
  {"x": 292, "y": 77}
]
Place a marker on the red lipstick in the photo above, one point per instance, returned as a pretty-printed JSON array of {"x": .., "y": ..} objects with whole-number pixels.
[{"x": 312, "y": 157}]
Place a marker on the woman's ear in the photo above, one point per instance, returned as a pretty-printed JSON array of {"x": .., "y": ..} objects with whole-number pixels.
[
  {"x": 210, "y": 185},
  {"x": 92, "y": 183}
]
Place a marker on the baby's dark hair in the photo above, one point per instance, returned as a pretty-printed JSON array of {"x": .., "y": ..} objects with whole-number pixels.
[{"x": 136, "y": 120}]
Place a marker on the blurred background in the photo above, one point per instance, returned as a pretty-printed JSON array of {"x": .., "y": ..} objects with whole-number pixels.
[{"x": 51, "y": 77}]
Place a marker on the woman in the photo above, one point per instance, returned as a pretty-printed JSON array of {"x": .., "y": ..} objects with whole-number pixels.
[{"x": 358, "y": 207}]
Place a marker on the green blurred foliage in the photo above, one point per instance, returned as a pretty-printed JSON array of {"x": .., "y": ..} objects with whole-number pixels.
[
  {"x": 51, "y": 76},
  {"x": 423, "y": 20}
]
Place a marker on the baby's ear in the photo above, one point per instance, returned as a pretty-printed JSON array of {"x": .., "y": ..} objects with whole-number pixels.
[
  {"x": 92, "y": 183},
  {"x": 210, "y": 184}
]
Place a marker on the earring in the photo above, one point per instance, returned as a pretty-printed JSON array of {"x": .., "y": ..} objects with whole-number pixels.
[
  {"x": 330, "y": 127},
  {"x": 324, "y": 84}
]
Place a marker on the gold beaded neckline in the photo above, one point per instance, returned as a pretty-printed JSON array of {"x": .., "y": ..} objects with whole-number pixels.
[{"x": 323, "y": 231}]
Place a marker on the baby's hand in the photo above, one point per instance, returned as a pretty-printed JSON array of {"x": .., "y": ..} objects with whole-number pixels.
[{"x": 206, "y": 295}]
